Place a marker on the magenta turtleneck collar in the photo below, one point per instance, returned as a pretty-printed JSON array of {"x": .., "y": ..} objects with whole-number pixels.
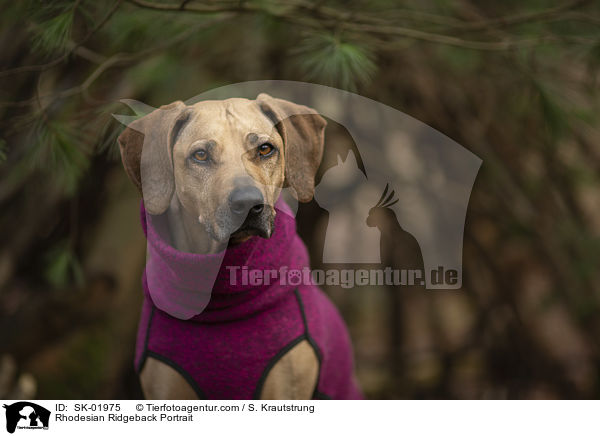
[{"x": 200, "y": 286}]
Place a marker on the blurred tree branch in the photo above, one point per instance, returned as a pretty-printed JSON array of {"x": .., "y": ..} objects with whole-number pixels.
[
  {"x": 384, "y": 34},
  {"x": 74, "y": 47},
  {"x": 363, "y": 23},
  {"x": 116, "y": 60}
]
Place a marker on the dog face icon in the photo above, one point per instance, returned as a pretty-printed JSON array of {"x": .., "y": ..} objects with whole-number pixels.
[{"x": 28, "y": 416}]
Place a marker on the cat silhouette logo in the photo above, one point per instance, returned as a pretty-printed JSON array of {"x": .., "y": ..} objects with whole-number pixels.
[{"x": 26, "y": 415}]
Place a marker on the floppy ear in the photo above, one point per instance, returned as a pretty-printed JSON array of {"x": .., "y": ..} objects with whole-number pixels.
[
  {"x": 146, "y": 150},
  {"x": 303, "y": 133}
]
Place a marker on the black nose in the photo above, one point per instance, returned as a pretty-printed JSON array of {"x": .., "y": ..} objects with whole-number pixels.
[{"x": 246, "y": 199}]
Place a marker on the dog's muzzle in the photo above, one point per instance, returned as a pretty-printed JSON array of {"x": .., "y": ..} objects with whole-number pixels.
[
  {"x": 245, "y": 201},
  {"x": 249, "y": 213}
]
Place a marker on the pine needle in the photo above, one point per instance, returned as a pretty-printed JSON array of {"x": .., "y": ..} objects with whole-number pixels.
[
  {"x": 63, "y": 267},
  {"x": 54, "y": 34},
  {"x": 340, "y": 63},
  {"x": 58, "y": 150}
]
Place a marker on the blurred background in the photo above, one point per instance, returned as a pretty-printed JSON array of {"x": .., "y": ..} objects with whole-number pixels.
[{"x": 515, "y": 82}]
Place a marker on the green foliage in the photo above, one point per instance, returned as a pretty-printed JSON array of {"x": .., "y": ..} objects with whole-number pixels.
[
  {"x": 54, "y": 34},
  {"x": 57, "y": 148},
  {"x": 153, "y": 71},
  {"x": 84, "y": 360},
  {"x": 329, "y": 59},
  {"x": 3, "y": 150},
  {"x": 520, "y": 108},
  {"x": 63, "y": 267},
  {"x": 134, "y": 29},
  {"x": 593, "y": 59},
  {"x": 588, "y": 264},
  {"x": 553, "y": 113},
  {"x": 461, "y": 60},
  {"x": 109, "y": 131}
]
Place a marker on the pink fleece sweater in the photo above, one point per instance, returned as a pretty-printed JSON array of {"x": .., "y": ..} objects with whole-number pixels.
[{"x": 225, "y": 336}]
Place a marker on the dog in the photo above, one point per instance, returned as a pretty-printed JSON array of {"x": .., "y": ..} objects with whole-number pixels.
[{"x": 211, "y": 175}]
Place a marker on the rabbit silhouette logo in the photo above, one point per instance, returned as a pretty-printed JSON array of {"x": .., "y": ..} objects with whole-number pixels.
[{"x": 371, "y": 226}]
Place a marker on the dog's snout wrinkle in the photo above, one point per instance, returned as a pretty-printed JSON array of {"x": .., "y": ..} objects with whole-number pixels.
[{"x": 246, "y": 199}]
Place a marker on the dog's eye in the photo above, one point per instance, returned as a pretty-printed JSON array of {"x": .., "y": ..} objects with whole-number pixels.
[
  {"x": 265, "y": 149},
  {"x": 200, "y": 155}
]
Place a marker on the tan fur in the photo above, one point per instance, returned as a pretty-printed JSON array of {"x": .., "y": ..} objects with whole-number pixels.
[
  {"x": 235, "y": 129},
  {"x": 293, "y": 377},
  {"x": 303, "y": 132},
  {"x": 161, "y": 382}
]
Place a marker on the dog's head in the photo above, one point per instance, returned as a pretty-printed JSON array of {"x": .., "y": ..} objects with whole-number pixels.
[{"x": 225, "y": 161}]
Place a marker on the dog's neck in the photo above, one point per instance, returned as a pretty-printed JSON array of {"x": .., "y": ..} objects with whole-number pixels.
[{"x": 187, "y": 234}]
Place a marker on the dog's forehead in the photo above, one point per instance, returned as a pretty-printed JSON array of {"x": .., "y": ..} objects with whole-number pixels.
[
  {"x": 234, "y": 121},
  {"x": 235, "y": 114}
]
